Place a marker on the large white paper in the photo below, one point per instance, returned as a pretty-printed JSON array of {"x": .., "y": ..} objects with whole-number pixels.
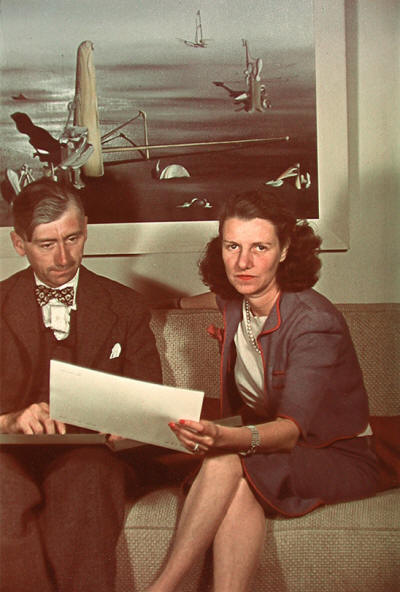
[{"x": 118, "y": 405}]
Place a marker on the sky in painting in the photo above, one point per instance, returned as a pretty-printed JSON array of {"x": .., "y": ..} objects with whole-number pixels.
[{"x": 49, "y": 31}]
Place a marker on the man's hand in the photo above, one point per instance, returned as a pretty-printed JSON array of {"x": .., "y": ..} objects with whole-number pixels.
[
  {"x": 114, "y": 438},
  {"x": 35, "y": 419}
]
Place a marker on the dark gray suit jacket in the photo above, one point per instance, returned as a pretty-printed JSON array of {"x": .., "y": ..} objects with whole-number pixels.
[{"x": 107, "y": 313}]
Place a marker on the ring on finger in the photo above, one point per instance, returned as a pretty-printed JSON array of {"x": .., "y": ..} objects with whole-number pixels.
[{"x": 196, "y": 448}]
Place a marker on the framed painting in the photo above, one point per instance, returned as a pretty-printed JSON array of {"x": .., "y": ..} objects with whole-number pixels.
[{"x": 215, "y": 101}]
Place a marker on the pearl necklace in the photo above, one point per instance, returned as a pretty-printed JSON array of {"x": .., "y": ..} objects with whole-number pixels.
[{"x": 249, "y": 329}]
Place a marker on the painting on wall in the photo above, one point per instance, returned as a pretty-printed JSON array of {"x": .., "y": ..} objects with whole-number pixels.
[{"x": 220, "y": 98}]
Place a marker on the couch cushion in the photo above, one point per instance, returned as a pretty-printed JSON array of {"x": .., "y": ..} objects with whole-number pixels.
[
  {"x": 375, "y": 332},
  {"x": 373, "y": 513},
  {"x": 351, "y": 547},
  {"x": 189, "y": 357},
  {"x": 347, "y": 547},
  {"x": 144, "y": 544},
  {"x": 159, "y": 509}
]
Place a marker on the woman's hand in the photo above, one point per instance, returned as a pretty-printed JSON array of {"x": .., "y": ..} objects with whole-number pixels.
[
  {"x": 279, "y": 435},
  {"x": 197, "y": 436}
]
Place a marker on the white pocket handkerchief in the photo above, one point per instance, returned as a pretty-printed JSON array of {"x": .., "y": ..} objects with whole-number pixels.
[{"x": 116, "y": 351}]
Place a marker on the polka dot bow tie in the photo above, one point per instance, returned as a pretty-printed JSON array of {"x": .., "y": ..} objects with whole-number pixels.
[{"x": 44, "y": 295}]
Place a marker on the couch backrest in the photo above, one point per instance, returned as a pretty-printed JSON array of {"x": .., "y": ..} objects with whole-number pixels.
[{"x": 190, "y": 357}]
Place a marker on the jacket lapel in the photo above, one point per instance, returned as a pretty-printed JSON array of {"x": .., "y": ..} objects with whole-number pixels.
[
  {"x": 21, "y": 314},
  {"x": 273, "y": 321},
  {"x": 95, "y": 318}
]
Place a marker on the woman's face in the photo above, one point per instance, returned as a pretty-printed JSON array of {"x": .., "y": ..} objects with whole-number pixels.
[{"x": 251, "y": 253}]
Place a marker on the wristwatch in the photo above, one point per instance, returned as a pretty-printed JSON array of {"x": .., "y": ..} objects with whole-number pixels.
[{"x": 255, "y": 441}]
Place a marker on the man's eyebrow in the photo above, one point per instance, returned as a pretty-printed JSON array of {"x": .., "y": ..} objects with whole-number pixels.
[
  {"x": 76, "y": 233},
  {"x": 44, "y": 240},
  {"x": 54, "y": 240}
]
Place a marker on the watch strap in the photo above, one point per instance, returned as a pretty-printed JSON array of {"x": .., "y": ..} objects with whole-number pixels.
[{"x": 255, "y": 441}]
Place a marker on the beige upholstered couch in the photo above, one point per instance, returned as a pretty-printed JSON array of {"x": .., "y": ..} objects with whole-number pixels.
[{"x": 348, "y": 547}]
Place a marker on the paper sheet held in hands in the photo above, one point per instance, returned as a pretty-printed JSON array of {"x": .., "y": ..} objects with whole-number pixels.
[{"x": 121, "y": 406}]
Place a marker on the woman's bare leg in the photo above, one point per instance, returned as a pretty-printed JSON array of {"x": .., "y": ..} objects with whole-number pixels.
[
  {"x": 204, "y": 510},
  {"x": 238, "y": 542}
]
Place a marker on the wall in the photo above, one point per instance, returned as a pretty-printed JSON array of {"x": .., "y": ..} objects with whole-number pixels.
[{"x": 369, "y": 270}]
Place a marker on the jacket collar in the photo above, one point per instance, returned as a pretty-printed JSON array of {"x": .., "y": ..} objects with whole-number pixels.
[
  {"x": 233, "y": 311},
  {"x": 95, "y": 315},
  {"x": 274, "y": 320}
]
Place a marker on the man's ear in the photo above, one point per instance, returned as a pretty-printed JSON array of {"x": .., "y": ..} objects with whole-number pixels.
[{"x": 18, "y": 243}]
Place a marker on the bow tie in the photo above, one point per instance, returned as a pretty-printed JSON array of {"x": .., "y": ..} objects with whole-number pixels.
[{"x": 44, "y": 295}]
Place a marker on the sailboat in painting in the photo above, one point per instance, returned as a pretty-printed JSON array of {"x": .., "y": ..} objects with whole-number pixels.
[{"x": 199, "y": 40}]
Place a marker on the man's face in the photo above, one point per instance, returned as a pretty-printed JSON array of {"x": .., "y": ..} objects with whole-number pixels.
[{"x": 56, "y": 249}]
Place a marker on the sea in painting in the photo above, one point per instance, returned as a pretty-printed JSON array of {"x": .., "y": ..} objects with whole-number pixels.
[{"x": 190, "y": 95}]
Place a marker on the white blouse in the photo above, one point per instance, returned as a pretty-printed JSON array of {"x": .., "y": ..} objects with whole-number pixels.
[{"x": 249, "y": 371}]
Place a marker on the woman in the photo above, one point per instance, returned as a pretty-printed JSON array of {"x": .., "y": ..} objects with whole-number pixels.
[{"x": 288, "y": 361}]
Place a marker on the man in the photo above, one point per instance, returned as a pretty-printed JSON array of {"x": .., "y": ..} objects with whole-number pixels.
[{"x": 62, "y": 507}]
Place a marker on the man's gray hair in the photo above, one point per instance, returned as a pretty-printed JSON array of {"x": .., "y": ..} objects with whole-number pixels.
[{"x": 41, "y": 202}]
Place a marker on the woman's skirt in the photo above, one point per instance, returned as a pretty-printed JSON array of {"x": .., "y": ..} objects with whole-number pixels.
[{"x": 296, "y": 482}]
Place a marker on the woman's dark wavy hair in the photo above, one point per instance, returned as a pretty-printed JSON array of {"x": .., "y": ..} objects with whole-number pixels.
[{"x": 299, "y": 270}]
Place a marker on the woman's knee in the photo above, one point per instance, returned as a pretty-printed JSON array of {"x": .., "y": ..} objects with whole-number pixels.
[
  {"x": 246, "y": 493},
  {"x": 222, "y": 466}
]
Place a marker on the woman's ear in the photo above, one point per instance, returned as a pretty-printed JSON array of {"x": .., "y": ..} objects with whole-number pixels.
[{"x": 284, "y": 253}]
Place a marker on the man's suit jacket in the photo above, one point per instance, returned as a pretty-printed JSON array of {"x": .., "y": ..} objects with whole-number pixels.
[{"x": 108, "y": 313}]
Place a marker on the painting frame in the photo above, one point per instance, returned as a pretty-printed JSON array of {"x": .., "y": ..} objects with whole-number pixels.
[{"x": 332, "y": 142}]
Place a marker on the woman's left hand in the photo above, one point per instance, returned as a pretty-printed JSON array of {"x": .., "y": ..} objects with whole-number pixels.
[{"x": 197, "y": 436}]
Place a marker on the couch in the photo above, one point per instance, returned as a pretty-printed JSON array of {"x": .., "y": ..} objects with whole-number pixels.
[{"x": 347, "y": 547}]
